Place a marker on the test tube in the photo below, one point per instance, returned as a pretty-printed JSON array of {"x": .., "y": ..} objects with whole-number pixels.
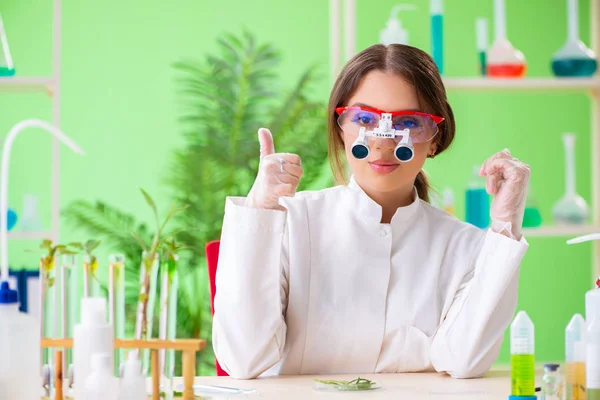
[
  {"x": 168, "y": 321},
  {"x": 48, "y": 312},
  {"x": 482, "y": 43},
  {"x": 147, "y": 300},
  {"x": 116, "y": 302},
  {"x": 91, "y": 285},
  {"x": 68, "y": 302}
]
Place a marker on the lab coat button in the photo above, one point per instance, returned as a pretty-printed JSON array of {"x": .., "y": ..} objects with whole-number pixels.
[{"x": 383, "y": 233}]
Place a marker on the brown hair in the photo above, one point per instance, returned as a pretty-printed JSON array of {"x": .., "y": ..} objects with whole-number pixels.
[{"x": 413, "y": 65}]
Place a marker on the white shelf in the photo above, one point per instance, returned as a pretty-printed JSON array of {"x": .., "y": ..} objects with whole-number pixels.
[
  {"x": 523, "y": 83},
  {"x": 557, "y": 231},
  {"x": 16, "y": 235},
  {"x": 26, "y": 84}
]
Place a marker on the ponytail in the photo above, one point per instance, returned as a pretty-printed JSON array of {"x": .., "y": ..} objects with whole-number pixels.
[{"x": 422, "y": 186}]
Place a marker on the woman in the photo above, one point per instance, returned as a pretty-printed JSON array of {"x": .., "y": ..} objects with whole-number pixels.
[{"x": 368, "y": 277}]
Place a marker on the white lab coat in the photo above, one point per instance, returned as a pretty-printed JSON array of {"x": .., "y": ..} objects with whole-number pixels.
[{"x": 326, "y": 288}]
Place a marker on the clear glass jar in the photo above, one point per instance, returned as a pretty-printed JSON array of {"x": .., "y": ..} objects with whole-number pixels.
[{"x": 552, "y": 383}]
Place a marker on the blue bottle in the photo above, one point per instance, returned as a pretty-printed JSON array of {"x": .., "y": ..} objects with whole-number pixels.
[
  {"x": 437, "y": 34},
  {"x": 477, "y": 201}
]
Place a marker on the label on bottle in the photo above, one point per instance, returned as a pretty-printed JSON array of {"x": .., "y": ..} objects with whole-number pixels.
[
  {"x": 592, "y": 366},
  {"x": 520, "y": 344}
]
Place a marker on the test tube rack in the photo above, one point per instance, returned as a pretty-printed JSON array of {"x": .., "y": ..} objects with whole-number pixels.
[{"x": 188, "y": 347}]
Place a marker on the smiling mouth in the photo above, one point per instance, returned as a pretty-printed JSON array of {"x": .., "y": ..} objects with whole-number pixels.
[{"x": 383, "y": 168}]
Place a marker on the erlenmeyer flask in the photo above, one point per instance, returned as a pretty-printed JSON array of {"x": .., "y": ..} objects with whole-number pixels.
[
  {"x": 571, "y": 209},
  {"x": 6, "y": 65},
  {"x": 574, "y": 58},
  {"x": 503, "y": 60}
]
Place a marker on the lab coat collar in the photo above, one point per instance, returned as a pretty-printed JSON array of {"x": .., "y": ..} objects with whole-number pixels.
[{"x": 368, "y": 209}]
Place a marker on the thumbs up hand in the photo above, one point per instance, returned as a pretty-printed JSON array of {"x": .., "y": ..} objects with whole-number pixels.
[{"x": 278, "y": 175}]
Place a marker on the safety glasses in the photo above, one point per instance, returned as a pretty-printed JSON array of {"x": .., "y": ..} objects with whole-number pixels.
[{"x": 422, "y": 126}]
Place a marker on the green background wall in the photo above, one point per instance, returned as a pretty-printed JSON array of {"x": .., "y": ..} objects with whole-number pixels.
[{"x": 119, "y": 103}]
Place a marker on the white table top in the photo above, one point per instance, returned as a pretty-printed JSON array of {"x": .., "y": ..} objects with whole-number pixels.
[{"x": 495, "y": 385}]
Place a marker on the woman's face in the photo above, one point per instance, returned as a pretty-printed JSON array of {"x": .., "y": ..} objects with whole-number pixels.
[{"x": 381, "y": 171}]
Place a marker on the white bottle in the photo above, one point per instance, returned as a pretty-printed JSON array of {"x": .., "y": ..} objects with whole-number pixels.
[
  {"x": 592, "y": 356},
  {"x": 19, "y": 350},
  {"x": 393, "y": 32},
  {"x": 133, "y": 384},
  {"x": 101, "y": 384},
  {"x": 92, "y": 335}
]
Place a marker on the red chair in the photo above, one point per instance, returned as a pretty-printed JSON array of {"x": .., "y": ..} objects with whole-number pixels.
[{"x": 212, "y": 259}]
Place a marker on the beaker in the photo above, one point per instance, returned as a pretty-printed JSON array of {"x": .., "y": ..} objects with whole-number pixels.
[
  {"x": 477, "y": 201},
  {"x": 503, "y": 60},
  {"x": 532, "y": 217},
  {"x": 571, "y": 209},
  {"x": 574, "y": 58},
  {"x": 31, "y": 215},
  {"x": 6, "y": 64}
]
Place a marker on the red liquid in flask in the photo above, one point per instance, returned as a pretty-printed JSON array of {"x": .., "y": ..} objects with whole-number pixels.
[{"x": 506, "y": 70}]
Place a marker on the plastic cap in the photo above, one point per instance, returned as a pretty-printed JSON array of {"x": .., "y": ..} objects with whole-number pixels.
[
  {"x": 93, "y": 311},
  {"x": 133, "y": 366},
  {"x": 522, "y": 334},
  {"x": 513, "y": 397},
  {"x": 551, "y": 367},
  {"x": 436, "y": 6},
  {"x": 7, "y": 295}
]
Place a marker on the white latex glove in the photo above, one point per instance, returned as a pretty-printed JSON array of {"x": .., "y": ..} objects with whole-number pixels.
[
  {"x": 507, "y": 180},
  {"x": 278, "y": 175}
]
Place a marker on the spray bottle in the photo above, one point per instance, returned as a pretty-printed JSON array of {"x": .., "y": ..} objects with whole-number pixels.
[
  {"x": 575, "y": 358},
  {"x": 19, "y": 349},
  {"x": 522, "y": 349},
  {"x": 592, "y": 354},
  {"x": 393, "y": 32},
  {"x": 18, "y": 332}
]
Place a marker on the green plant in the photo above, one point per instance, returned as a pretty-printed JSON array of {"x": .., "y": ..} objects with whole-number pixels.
[
  {"x": 353, "y": 385},
  {"x": 88, "y": 249},
  {"x": 170, "y": 250},
  {"x": 113, "y": 226},
  {"x": 151, "y": 252},
  {"x": 47, "y": 260},
  {"x": 226, "y": 97}
]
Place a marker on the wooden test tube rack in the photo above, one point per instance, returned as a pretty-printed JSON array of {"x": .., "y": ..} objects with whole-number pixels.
[{"x": 189, "y": 348}]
